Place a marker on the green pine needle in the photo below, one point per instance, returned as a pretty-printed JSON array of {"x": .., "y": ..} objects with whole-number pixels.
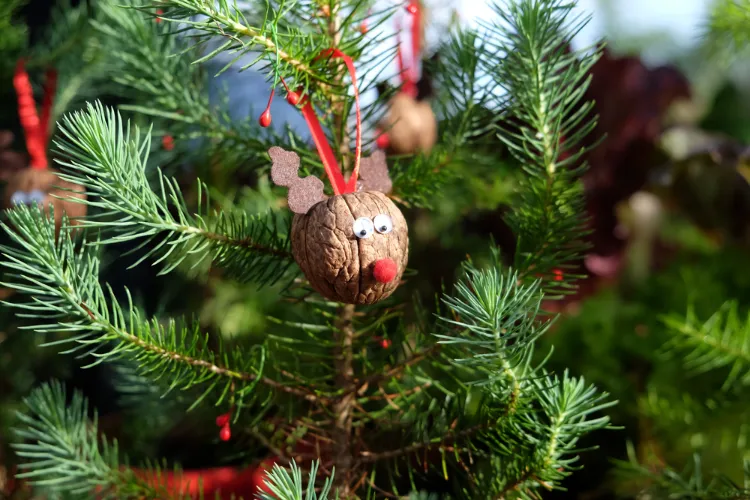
[
  {"x": 102, "y": 155},
  {"x": 721, "y": 342},
  {"x": 288, "y": 486},
  {"x": 546, "y": 120},
  {"x": 67, "y": 298},
  {"x": 64, "y": 454}
]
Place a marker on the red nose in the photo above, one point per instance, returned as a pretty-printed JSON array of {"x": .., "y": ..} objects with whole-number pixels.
[{"x": 385, "y": 270}]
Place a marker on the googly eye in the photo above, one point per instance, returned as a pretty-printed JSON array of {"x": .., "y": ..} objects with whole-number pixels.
[
  {"x": 36, "y": 196},
  {"x": 363, "y": 228},
  {"x": 383, "y": 223},
  {"x": 19, "y": 198}
]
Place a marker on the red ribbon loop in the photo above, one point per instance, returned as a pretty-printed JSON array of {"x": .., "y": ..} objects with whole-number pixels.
[
  {"x": 35, "y": 129},
  {"x": 330, "y": 164},
  {"x": 409, "y": 76}
]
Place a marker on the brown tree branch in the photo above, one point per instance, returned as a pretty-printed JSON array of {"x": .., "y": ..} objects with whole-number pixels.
[{"x": 343, "y": 407}]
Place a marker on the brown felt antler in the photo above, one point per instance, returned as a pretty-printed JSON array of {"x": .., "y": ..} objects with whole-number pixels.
[
  {"x": 304, "y": 192},
  {"x": 10, "y": 161},
  {"x": 373, "y": 174}
]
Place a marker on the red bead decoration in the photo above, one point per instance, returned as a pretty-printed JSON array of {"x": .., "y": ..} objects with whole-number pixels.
[
  {"x": 167, "y": 142},
  {"x": 412, "y": 8},
  {"x": 558, "y": 274},
  {"x": 265, "y": 118},
  {"x": 385, "y": 343},
  {"x": 226, "y": 433},
  {"x": 292, "y": 98},
  {"x": 222, "y": 420},
  {"x": 383, "y": 141}
]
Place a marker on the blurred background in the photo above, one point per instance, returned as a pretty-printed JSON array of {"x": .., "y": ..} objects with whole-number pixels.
[{"x": 669, "y": 205}]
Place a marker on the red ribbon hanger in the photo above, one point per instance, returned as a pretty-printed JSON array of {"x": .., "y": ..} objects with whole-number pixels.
[
  {"x": 35, "y": 129},
  {"x": 409, "y": 76},
  {"x": 330, "y": 164}
]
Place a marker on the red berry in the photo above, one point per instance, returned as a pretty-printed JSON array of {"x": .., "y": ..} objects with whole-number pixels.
[
  {"x": 222, "y": 420},
  {"x": 167, "y": 142},
  {"x": 225, "y": 433},
  {"x": 385, "y": 343},
  {"x": 383, "y": 141},
  {"x": 265, "y": 118},
  {"x": 412, "y": 8},
  {"x": 363, "y": 28},
  {"x": 159, "y": 12},
  {"x": 292, "y": 98},
  {"x": 558, "y": 274}
]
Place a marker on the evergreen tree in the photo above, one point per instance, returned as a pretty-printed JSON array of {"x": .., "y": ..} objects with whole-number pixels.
[{"x": 360, "y": 401}]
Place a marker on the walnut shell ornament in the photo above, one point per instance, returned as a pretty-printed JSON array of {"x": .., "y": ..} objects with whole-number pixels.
[
  {"x": 31, "y": 185},
  {"x": 353, "y": 247},
  {"x": 410, "y": 124}
]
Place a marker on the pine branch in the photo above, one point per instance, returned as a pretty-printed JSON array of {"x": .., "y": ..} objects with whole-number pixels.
[
  {"x": 226, "y": 21},
  {"x": 295, "y": 46},
  {"x": 13, "y": 35},
  {"x": 529, "y": 58},
  {"x": 65, "y": 454},
  {"x": 723, "y": 341},
  {"x": 727, "y": 30},
  {"x": 666, "y": 482},
  {"x": 286, "y": 486},
  {"x": 499, "y": 321},
  {"x": 343, "y": 406},
  {"x": 152, "y": 66},
  {"x": 101, "y": 155},
  {"x": 68, "y": 298}
]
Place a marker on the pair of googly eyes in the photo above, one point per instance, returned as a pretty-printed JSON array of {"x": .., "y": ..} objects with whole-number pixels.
[
  {"x": 24, "y": 198},
  {"x": 364, "y": 227}
]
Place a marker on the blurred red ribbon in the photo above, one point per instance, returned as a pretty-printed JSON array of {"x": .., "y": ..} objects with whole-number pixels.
[{"x": 35, "y": 129}]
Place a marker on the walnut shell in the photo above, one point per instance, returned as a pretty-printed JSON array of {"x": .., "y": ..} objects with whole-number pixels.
[
  {"x": 47, "y": 182},
  {"x": 339, "y": 265},
  {"x": 410, "y": 124}
]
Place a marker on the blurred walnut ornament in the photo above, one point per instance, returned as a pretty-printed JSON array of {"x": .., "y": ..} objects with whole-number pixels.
[
  {"x": 411, "y": 125},
  {"x": 37, "y": 183},
  {"x": 353, "y": 246}
]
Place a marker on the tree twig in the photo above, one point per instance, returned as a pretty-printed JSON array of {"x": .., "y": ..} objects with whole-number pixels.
[
  {"x": 370, "y": 457},
  {"x": 344, "y": 405}
]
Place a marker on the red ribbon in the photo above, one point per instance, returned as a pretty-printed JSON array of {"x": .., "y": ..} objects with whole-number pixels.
[
  {"x": 409, "y": 75},
  {"x": 331, "y": 166},
  {"x": 36, "y": 130}
]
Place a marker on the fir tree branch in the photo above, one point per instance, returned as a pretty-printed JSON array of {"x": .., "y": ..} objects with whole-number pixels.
[
  {"x": 101, "y": 155},
  {"x": 64, "y": 453},
  {"x": 448, "y": 440},
  {"x": 343, "y": 405},
  {"x": 152, "y": 66},
  {"x": 567, "y": 404},
  {"x": 228, "y": 22},
  {"x": 723, "y": 341},
  {"x": 286, "y": 486},
  {"x": 545, "y": 122},
  {"x": 728, "y": 27},
  {"x": 67, "y": 297},
  {"x": 396, "y": 370},
  {"x": 666, "y": 482}
]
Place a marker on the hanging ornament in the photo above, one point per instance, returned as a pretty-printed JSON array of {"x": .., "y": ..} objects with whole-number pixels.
[
  {"x": 410, "y": 124},
  {"x": 353, "y": 246},
  {"x": 37, "y": 183},
  {"x": 223, "y": 421}
]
